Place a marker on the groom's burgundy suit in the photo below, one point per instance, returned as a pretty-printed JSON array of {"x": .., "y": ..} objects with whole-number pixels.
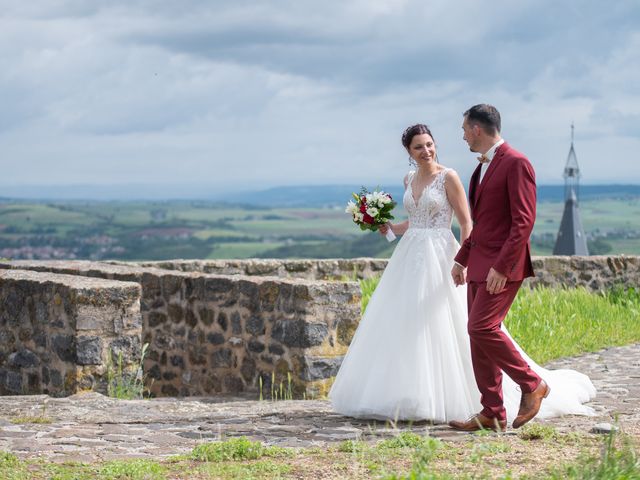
[{"x": 503, "y": 211}]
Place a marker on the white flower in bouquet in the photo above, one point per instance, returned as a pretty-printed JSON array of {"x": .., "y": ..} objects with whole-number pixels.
[
  {"x": 352, "y": 208},
  {"x": 372, "y": 211}
]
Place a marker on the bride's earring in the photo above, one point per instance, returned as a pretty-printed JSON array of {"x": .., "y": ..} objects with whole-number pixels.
[{"x": 412, "y": 162}]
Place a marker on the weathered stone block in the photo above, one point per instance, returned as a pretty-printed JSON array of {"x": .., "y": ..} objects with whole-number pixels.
[
  {"x": 154, "y": 372},
  {"x": 299, "y": 334},
  {"x": 255, "y": 346},
  {"x": 236, "y": 323},
  {"x": 206, "y": 316},
  {"x": 190, "y": 318},
  {"x": 255, "y": 325},
  {"x": 89, "y": 350},
  {"x": 171, "y": 285},
  {"x": 156, "y": 318},
  {"x": 213, "y": 287},
  {"x": 276, "y": 349},
  {"x": 23, "y": 359},
  {"x": 128, "y": 346},
  {"x": 176, "y": 313},
  {"x": 90, "y": 318},
  {"x": 319, "y": 368},
  {"x": 215, "y": 338},
  {"x": 13, "y": 382},
  {"x": 7, "y": 340},
  {"x": 177, "y": 361},
  {"x": 222, "y": 358},
  {"x": 222, "y": 321},
  {"x": 65, "y": 347},
  {"x": 248, "y": 369}
]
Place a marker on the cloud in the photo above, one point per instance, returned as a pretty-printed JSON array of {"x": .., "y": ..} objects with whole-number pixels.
[{"x": 260, "y": 94}]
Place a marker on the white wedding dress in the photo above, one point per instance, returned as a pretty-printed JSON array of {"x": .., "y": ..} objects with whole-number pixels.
[{"x": 410, "y": 357}]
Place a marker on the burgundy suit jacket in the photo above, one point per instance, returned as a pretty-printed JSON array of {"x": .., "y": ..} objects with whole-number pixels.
[{"x": 503, "y": 211}]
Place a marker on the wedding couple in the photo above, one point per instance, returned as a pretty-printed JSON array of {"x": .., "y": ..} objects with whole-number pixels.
[{"x": 431, "y": 344}]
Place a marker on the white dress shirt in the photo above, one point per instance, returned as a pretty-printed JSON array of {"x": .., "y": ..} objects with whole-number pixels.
[{"x": 489, "y": 155}]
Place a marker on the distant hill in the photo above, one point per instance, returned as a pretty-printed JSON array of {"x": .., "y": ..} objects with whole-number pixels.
[
  {"x": 338, "y": 195},
  {"x": 292, "y": 196},
  {"x": 555, "y": 193}
]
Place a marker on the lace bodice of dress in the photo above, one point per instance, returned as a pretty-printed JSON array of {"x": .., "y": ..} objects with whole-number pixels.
[{"x": 433, "y": 209}]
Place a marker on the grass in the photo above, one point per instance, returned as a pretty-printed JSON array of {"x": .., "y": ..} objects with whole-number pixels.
[
  {"x": 367, "y": 286},
  {"x": 41, "y": 419},
  {"x": 240, "y": 448},
  {"x": 28, "y": 419},
  {"x": 138, "y": 469},
  {"x": 122, "y": 384},
  {"x": 541, "y": 452},
  {"x": 551, "y": 323},
  {"x": 278, "y": 391}
]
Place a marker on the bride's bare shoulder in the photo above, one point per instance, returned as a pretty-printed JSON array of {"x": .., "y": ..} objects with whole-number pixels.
[{"x": 451, "y": 174}]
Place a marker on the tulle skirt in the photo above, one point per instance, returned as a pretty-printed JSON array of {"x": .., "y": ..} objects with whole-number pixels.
[{"x": 410, "y": 357}]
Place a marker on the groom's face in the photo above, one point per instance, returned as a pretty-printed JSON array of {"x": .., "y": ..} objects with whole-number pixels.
[{"x": 470, "y": 135}]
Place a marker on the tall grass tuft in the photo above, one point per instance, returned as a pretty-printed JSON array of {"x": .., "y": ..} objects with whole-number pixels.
[
  {"x": 551, "y": 323},
  {"x": 124, "y": 385},
  {"x": 367, "y": 286}
]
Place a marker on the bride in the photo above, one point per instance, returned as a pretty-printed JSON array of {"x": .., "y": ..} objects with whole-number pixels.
[{"x": 410, "y": 357}]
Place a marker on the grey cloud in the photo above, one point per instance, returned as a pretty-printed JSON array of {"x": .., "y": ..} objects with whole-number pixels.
[{"x": 176, "y": 89}]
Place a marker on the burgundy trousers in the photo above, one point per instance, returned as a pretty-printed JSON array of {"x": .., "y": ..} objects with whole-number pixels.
[{"x": 492, "y": 351}]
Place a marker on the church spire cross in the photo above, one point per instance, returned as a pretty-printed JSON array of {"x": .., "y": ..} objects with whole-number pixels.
[{"x": 572, "y": 133}]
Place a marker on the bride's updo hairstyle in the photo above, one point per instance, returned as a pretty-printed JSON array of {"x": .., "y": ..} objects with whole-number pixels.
[{"x": 412, "y": 131}]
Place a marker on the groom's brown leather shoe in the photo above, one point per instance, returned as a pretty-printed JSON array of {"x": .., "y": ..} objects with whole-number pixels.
[
  {"x": 479, "y": 422},
  {"x": 530, "y": 404}
]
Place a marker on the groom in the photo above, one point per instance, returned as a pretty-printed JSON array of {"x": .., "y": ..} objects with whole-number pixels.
[{"x": 502, "y": 195}]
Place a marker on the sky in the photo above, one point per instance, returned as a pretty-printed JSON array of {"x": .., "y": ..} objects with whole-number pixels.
[{"x": 235, "y": 95}]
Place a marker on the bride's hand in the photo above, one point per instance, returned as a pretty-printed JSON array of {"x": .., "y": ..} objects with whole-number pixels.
[{"x": 383, "y": 229}]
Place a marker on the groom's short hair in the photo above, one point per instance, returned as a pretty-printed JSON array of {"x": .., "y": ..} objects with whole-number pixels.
[{"x": 486, "y": 116}]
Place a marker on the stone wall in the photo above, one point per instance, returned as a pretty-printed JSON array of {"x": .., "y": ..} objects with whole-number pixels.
[
  {"x": 212, "y": 334},
  {"x": 213, "y": 327},
  {"x": 56, "y": 331},
  {"x": 594, "y": 272},
  {"x": 332, "y": 269}
]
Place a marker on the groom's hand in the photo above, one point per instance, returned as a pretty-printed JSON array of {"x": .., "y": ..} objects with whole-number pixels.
[
  {"x": 459, "y": 274},
  {"x": 495, "y": 282}
]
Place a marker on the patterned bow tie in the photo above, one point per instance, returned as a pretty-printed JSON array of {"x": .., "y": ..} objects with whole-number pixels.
[{"x": 483, "y": 159}]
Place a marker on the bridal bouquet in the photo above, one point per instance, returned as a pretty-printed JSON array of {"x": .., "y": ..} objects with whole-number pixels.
[{"x": 371, "y": 209}]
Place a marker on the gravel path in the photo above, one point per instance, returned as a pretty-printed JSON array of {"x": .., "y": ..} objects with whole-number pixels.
[{"x": 88, "y": 426}]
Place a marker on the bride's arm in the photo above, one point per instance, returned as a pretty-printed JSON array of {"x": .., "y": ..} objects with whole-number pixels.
[
  {"x": 397, "y": 228},
  {"x": 458, "y": 201}
]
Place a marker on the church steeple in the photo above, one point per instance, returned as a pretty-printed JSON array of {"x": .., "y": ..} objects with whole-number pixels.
[
  {"x": 571, "y": 238},
  {"x": 571, "y": 173}
]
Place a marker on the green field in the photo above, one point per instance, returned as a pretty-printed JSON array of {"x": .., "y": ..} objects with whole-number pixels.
[{"x": 198, "y": 229}]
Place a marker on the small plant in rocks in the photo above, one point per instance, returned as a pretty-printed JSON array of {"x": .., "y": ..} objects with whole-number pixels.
[{"x": 124, "y": 385}]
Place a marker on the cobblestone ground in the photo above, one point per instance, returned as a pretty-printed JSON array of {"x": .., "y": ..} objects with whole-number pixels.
[{"x": 90, "y": 426}]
